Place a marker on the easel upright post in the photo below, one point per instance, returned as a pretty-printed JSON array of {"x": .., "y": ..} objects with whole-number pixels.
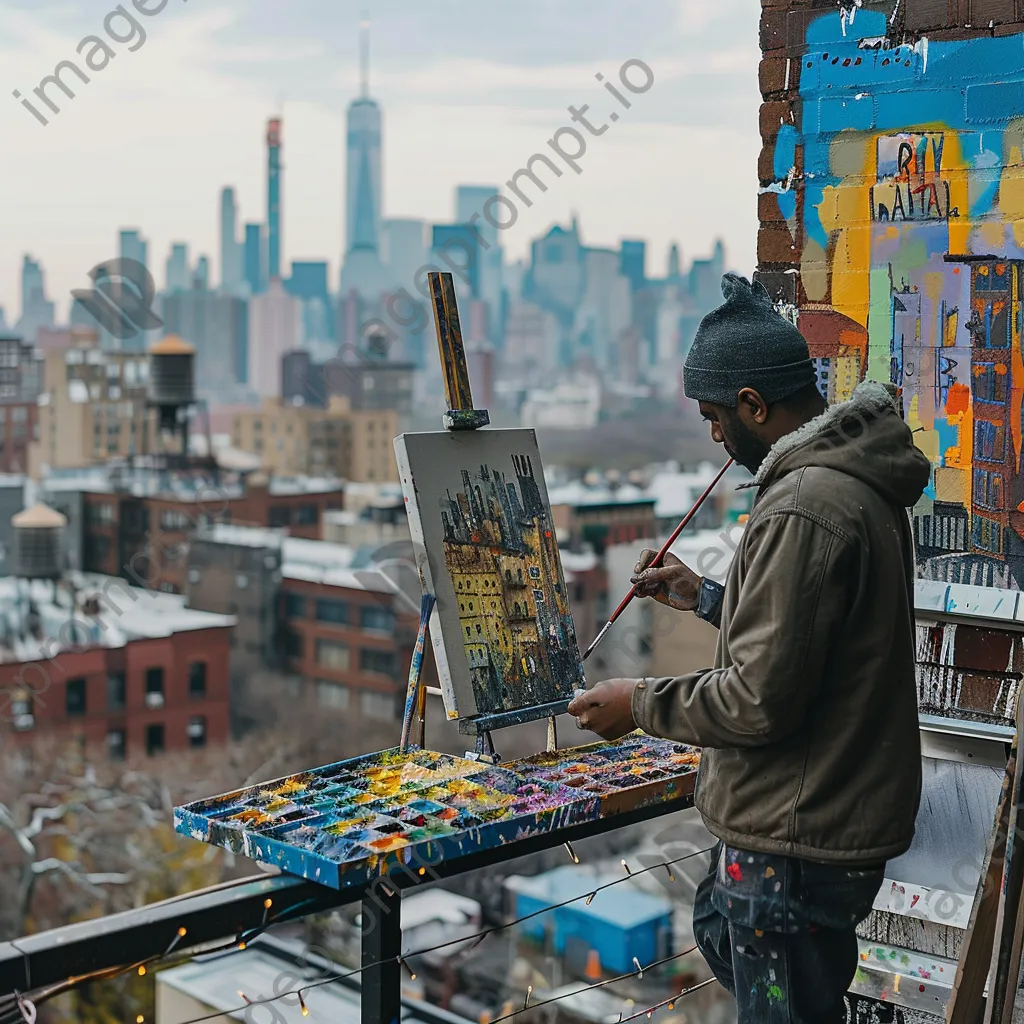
[
  {"x": 460, "y": 415},
  {"x": 381, "y": 989}
]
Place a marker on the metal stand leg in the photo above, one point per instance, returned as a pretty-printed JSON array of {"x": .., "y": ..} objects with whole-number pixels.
[{"x": 381, "y": 999}]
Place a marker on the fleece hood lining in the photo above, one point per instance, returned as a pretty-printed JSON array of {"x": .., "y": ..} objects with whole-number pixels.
[{"x": 868, "y": 396}]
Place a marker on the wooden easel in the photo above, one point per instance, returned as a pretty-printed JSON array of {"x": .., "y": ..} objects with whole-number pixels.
[
  {"x": 997, "y": 916},
  {"x": 461, "y": 415}
]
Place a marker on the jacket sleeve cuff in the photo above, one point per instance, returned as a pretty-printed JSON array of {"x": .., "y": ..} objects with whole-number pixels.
[
  {"x": 638, "y": 702},
  {"x": 709, "y": 601}
]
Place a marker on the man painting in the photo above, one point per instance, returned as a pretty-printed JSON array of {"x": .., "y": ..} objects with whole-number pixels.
[{"x": 810, "y": 775}]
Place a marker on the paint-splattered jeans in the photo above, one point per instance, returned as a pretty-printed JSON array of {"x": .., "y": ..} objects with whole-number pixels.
[{"x": 778, "y": 933}]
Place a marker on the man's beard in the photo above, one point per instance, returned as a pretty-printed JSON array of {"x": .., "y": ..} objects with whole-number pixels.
[{"x": 741, "y": 443}]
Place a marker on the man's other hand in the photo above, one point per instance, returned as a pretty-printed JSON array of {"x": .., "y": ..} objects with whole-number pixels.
[
  {"x": 606, "y": 708},
  {"x": 673, "y": 584}
]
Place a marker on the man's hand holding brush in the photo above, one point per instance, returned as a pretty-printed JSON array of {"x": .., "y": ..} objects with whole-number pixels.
[
  {"x": 606, "y": 708},
  {"x": 673, "y": 584}
]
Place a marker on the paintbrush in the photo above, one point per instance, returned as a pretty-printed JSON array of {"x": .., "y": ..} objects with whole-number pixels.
[{"x": 656, "y": 561}]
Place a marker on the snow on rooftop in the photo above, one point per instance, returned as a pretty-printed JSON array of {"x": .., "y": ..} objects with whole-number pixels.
[
  {"x": 125, "y": 613},
  {"x": 320, "y": 561},
  {"x": 709, "y": 552},
  {"x": 369, "y": 579},
  {"x": 578, "y": 561},
  {"x": 428, "y": 905},
  {"x": 675, "y": 492},
  {"x": 283, "y": 485},
  {"x": 299, "y": 551},
  {"x": 579, "y": 494},
  {"x": 214, "y": 983},
  {"x": 242, "y": 536}
]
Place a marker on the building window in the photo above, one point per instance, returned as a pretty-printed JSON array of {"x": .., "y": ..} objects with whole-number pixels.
[
  {"x": 154, "y": 739},
  {"x": 196, "y": 731},
  {"x": 382, "y": 662},
  {"x": 380, "y": 619},
  {"x": 988, "y": 489},
  {"x": 332, "y": 655},
  {"x": 21, "y": 710},
  {"x": 115, "y": 691},
  {"x": 306, "y": 515},
  {"x": 154, "y": 687},
  {"x": 294, "y": 606},
  {"x": 173, "y": 519},
  {"x": 328, "y": 610},
  {"x": 987, "y": 535},
  {"x": 293, "y": 644},
  {"x": 197, "y": 679},
  {"x": 74, "y": 700},
  {"x": 331, "y": 695},
  {"x": 116, "y": 744},
  {"x": 279, "y": 515},
  {"x": 990, "y": 382},
  {"x": 377, "y": 705},
  {"x": 989, "y": 441}
]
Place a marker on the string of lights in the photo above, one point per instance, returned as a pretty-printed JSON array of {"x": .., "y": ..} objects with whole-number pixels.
[
  {"x": 23, "y": 1009},
  {"x": 402, "y": 960},
  {"x": 669, "y": 1003},
  {"x": 527, "y": 1005},
  {"x": 240, "y": 942}
]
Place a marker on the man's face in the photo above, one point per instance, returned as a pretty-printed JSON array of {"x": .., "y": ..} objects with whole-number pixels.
[{"x": 728, "y": 429}]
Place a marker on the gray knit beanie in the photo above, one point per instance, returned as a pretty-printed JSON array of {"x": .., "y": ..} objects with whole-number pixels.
[{"x": 746, "y": 343}]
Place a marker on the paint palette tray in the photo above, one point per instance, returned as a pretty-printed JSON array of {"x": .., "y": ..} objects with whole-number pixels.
[
  {"x": 633, "y": 772},
  {"x": 344, "y": 823}
]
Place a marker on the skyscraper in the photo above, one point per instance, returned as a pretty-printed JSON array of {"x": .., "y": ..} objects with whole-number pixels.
[
  {"x": 361, "y": 269},
  {"x": 404, "y": 250},
  {"x": 36, "y": 311},
  {"x": 274, "y": 198},
  {"x": 177, "y": 268},
  {"x": 633, "y": 261},
  {"x": 470, "y": 201},
  {"x": 132, "y": 246},
  {"x": 275, "y": 326},
  {"x": 218, "y": 327},
  {"x": 201, "y": 275},
  {"x": 230, "y": 251},
  {"x": 308, "y": 283},
  {"x": 254, "y": 263},
  {"x": 458, "y": 247}
]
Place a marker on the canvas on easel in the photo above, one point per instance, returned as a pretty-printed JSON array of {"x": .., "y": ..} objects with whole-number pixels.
[{"x": 485, "y": 542}]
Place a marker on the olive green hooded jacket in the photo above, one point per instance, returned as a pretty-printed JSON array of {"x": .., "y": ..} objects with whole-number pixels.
[{"x": 809, "y": 718}]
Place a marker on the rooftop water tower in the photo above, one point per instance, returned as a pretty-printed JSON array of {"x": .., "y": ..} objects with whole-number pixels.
[
  {"x": 39, "y": 543},
  {"x": 172, "y": 384}
]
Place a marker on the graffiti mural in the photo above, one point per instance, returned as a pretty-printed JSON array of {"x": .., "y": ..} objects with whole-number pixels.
[{"x": 892, "y": 230}]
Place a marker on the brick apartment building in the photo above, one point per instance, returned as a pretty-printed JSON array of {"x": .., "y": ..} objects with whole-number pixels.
[
  {"x": 144, "y": 537},
  {"x": 347, "y": 641},
  {"x": 140, "y": 673},
  {"x": 94, "y": 407},
  {"x": 343, "y": 637},
  {"x": 355, "y": 444},
  {"x": 601, "y": 517},
  {"x": 21, "y": 376}
]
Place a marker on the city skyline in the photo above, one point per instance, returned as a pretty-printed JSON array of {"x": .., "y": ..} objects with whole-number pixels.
[{"x": 78, "y": 226}]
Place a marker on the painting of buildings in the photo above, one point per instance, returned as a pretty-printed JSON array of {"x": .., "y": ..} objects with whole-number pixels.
[
  {"x": 892, "y": 232},
  {"x": 501, "y": 630}
]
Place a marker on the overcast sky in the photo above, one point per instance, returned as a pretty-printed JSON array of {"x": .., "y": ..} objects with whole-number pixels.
[{"x": 469, "y": 91}]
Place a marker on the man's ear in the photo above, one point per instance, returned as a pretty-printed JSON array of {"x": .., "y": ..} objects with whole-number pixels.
[{"x": 757, "y": 408}]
